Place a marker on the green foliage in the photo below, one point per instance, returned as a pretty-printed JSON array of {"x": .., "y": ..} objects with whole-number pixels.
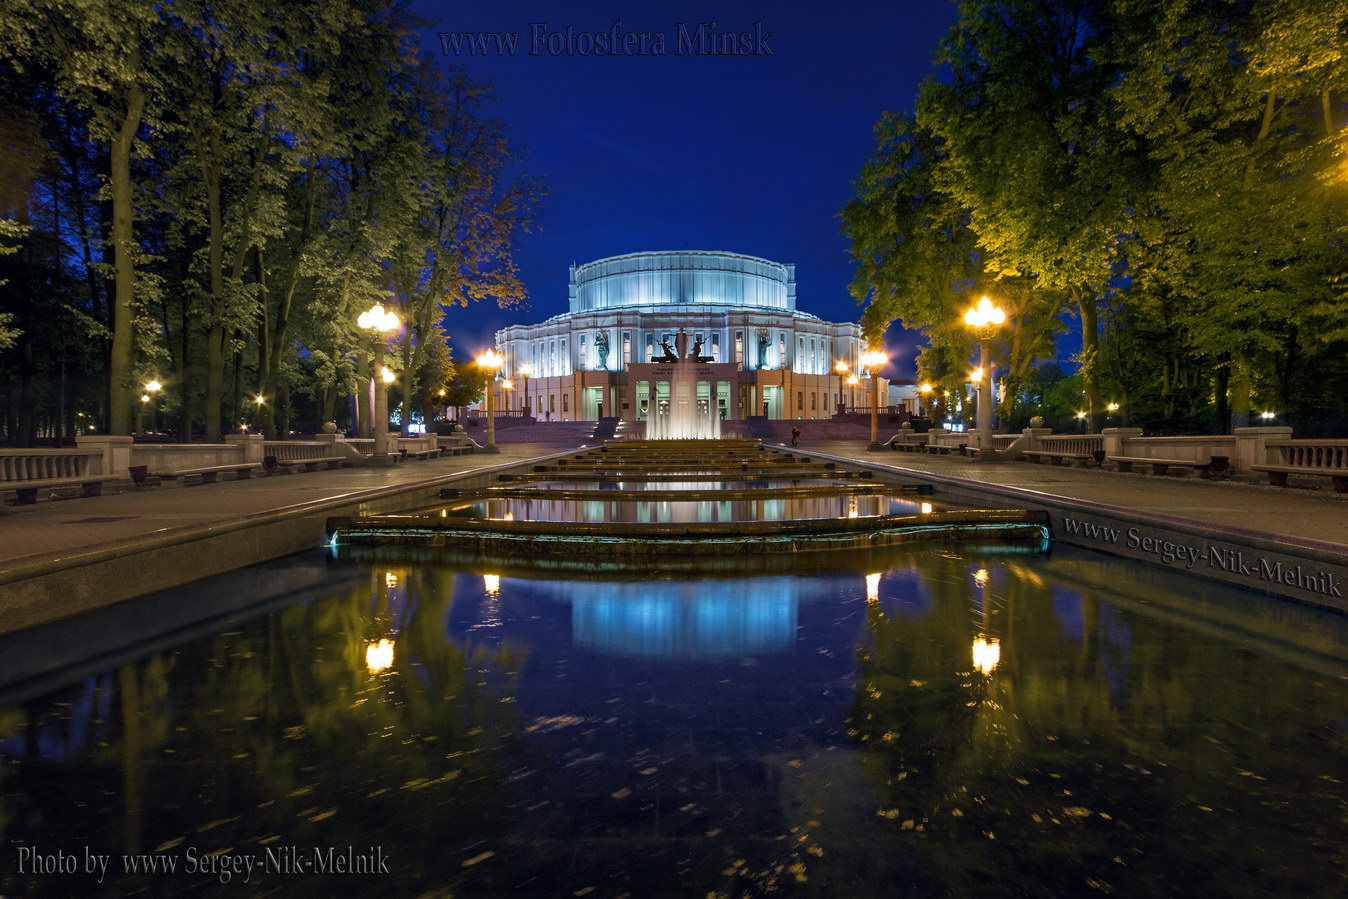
[
  {"x": 1176, "y": 171},
  {"x": 282, "y": 169}
]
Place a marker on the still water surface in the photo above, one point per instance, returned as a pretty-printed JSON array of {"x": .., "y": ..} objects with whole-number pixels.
[
  {"x": 487, "y": 731},
  {"x": 598, "y": 511}
]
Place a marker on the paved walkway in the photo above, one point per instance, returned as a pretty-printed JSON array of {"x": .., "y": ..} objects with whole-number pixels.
[
  {"x": 1319, "y": 515},
  {"x": 56, "y": 529},
  {"x": 59, "y": 528}
]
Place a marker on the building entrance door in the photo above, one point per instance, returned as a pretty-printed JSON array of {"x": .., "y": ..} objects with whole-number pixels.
[
  {"x": 772, "y": 401},
  {"x": 593, "y": 399}
]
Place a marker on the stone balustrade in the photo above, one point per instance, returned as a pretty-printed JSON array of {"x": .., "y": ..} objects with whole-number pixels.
[
  {"x": 48, "y": 464},
  {"x": 1329, "y": 456}
]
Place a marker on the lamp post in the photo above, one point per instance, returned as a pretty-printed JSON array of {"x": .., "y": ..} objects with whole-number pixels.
[
  {"x": 852, "y": 382},
  {"x": 524, "y": 372},
  {"x": 925, "y": 392},
  {"x": 380, "y": 324},
  {"x": 841, "y": 369},
  {"x": 984, "y": 319},
  {"x": 872, "y": 360},
  {"x": 490, "y": 361},
  {"x": 154, "y": 387},
  {"x": 507, "y": 385}
]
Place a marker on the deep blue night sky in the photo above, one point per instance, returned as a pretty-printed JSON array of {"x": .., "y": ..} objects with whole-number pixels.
[{"x": 751, "y": 154}]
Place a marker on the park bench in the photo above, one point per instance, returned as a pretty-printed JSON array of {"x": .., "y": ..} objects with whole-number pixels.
[
  {"x": 1307, "y": 458},
  {"x": 919, "y": 446},
  {"x": 287, "y": 456},
  {"x": 1277, "y": 475},
  {"x": 1057, "y": 458},
  {"x": 208, "y": 474},
  {"x": 424, "y": 454},
  {"x": 275, "y": 465},
  {"x": 27, "y": 471},
  {"x": 1162, "y": 466},
  {"x": 937, "y": 449}
]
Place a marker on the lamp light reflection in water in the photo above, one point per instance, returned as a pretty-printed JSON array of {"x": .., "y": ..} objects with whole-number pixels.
[
  {"x": 987, "y": 653},
  {"x": 491, "y": 604},
  {"x": 873, "y": 587},
  {"x": 379, "y": 656}
]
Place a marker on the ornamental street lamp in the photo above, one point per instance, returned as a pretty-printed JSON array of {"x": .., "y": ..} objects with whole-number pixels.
[
  {"x": 490, "y": 361},
  {"x": 153, "y": 386},
  {"x": 380, "y": 323},
  {"x": 841, "y": 369},
  {"x": 852, "y": 382},
  {"x": 872, "y": 360},
  {"x": 524, "y": 372},
  {"x": 507, "y": 385},
  {"x": 925, "y": 391},
  {"x": 984, "y": 319},
  {"x": 138, "y": 426}
]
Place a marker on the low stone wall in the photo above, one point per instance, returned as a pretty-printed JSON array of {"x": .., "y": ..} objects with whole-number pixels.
[
  {"x": 1310, "y": 571},
  {"x": 182, "y": 456},
  {"x": 36, "y": 590}
]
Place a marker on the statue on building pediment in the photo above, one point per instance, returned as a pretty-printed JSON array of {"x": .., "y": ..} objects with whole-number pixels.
[
  {"x": 670, "y": 356},
  {"x": 601, "y": 349},
  {"x": 696, "y": 354}
]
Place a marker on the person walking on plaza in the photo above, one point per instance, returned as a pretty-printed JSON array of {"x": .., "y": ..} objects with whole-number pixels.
[{"x": 795, "y": 436}]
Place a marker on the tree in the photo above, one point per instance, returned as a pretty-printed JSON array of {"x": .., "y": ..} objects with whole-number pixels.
[
  {"x": 459, "y": 246},
  {"x": 1232, "y": 105},
  {"x": 1024, "y": 131},
  {"x": 919, "y": 263},
  {"x": 102, "y": 55}
]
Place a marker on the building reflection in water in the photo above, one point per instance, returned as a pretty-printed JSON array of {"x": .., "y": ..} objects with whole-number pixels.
[
  {"x": 696, "y": 620},
  {"x": 658, "y": 511}
]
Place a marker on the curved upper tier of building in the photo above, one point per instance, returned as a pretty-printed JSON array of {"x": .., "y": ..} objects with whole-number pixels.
[{"x": 686, "y": 277}]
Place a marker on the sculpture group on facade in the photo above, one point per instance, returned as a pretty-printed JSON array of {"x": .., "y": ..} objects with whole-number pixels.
[{"x": 679, "y": 352}]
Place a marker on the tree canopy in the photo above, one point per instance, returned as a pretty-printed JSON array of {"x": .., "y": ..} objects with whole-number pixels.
[
  {"x": 1163, "y": 181},
  {"x": 207, "y": 193}
]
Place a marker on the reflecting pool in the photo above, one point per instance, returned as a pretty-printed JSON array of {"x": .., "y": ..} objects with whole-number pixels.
[
  {"x": 603, "y": 511},
  {"x": 913, "y": 722}
]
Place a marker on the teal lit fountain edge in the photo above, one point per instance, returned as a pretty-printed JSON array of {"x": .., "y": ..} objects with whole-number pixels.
[{"x": 1021, "y": 528}]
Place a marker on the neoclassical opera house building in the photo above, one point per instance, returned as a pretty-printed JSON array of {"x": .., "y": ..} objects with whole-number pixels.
[{"x": 758, "y": 354}]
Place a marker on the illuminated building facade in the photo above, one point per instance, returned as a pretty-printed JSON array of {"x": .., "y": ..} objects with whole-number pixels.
[{"x": 758, "y": 355}]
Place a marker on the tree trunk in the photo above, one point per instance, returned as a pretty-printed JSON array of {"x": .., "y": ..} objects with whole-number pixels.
[
  {"x": 265, "y": 420},
  {"x": 405, "y": 401},
  {"x": 26, "y": 434},
  {"x": 215, "y": 261},
  {"x": 286, "y": 300},
  {"x": 120, "y": 393},
  {"x": 1221, "y": 381},
  {"x": 1240, "y": 386},
  {"x": 186, "y": 366},
  {"x": 236, "y": 400},
  {"x": 1090, "y": 354}
]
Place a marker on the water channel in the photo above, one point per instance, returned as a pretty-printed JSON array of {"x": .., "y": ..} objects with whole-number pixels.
[{"x": 943, "y": 720}]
